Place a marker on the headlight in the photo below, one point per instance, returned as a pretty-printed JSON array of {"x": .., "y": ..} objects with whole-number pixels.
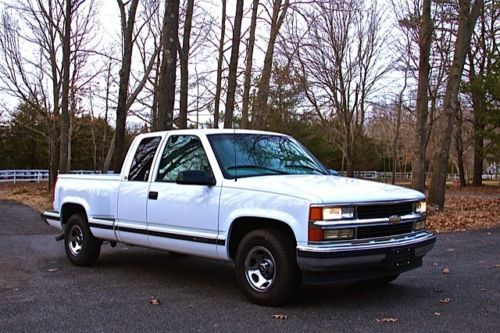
[
  {"x": 330, "y": 213},
  {"x": 421, "y": 207}
]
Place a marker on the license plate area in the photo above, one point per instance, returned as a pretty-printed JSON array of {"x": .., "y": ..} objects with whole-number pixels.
[{"x": 400, "y": 258}]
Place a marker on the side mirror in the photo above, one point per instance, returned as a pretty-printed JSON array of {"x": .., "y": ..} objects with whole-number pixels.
[
  {"x": 333, "y": 172},
  {"x": 195, "y": 177}
]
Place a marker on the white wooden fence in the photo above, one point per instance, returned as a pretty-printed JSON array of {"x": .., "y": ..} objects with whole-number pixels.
[
  {"x": 14, "y": 176},
  {"x": 32, "y": 175}
]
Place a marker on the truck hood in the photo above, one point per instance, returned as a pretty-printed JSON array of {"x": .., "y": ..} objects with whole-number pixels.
[{"x": 325, "y": 188}]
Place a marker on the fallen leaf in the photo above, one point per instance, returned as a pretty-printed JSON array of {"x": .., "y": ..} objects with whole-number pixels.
[
  {"x": 484, "y": 289},
  {"x": 435, "y": 264},
  {"x": 445, "y": 301},
  {"x": 51, "y": 269},
  {"x": 154, "y": 300},
  {"x": 446, "y": 270},
  {"x": 488, "y": 233},
  {"x": 386, "y": 320},
  {"x": 437, "y": 314},
  {"x": 437, "y": 290},
  {"x": 280, "y": 316},
  {"x": 450, "y": 250},
  {"x": 497, "y": 266}
]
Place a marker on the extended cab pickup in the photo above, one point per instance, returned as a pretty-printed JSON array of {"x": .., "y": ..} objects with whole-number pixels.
[{"x": 257, "y": 199}]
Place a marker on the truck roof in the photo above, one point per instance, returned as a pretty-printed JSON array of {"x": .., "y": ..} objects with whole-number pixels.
[{"x": 207, "y": 131}]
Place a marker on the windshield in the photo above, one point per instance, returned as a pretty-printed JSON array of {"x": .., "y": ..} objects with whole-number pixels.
[{"x": 261, "y": 155}]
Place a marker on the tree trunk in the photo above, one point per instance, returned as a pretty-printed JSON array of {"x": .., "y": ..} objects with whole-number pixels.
[
  {"x": 418, "y": 170},
  {"x": 66, "y": 61},
  {"x": 184, "y": 61},
  {"x": 467, "y": 21},
  {"x": 121, "y": 108},
  {"x": 395, "y": 143},
  {"x": 218, "y": 84},
  {"x": 459, "y": 147},
  {"x": 260, "y": 106},
  {"x": 166, "y": 90},
  {"x": 233, "y": 66},
  {"x": 478, "y": 123},
  {"x": 248, "y": 67}
]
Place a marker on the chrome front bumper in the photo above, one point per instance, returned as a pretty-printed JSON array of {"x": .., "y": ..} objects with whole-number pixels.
[{"x": 358, "y": 260}]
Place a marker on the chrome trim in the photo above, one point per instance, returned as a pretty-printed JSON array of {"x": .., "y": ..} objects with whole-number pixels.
[
  {"x": 51, "y": 215},
  {"x": 404, "y": 218},
  {"x": 350, "y": 246},
  {"x": 367, "y": 203}
]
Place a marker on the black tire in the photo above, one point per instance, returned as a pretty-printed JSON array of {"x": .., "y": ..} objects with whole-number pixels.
[
  {"x": 378, "y": 282},
  {"x": 266, "y": 267},
  {"x": 82, "y": 248}
]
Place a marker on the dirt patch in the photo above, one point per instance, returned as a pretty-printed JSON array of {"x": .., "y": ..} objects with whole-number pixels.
[
  {"x": 34, "y": 195},
  {"x": 465, "y": 209}
]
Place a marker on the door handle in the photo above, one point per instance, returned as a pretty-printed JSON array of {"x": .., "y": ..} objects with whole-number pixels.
[{"x": 153, "y": 195}]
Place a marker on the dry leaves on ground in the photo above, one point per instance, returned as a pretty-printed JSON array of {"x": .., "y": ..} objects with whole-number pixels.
[
  {"x": 280, "y": 316},
  {"x": 465, "y": 212},
  {"x": 386, "y": 320},
  {"x": 154, "y": 300},
  {"x": 35, "y": 195}
]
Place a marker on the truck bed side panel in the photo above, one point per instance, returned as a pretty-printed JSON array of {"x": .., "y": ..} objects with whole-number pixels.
[{"x": 97, "y": 195}]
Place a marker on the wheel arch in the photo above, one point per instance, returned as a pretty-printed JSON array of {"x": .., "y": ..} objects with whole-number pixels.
[
  {"x": 70, "y": 208},
  {"x": 241, "y": 226}
]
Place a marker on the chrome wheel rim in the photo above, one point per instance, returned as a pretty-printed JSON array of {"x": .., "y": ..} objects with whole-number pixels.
[
  {"x": 75, "y": 241},
  {"x": 260, "y": 268}
]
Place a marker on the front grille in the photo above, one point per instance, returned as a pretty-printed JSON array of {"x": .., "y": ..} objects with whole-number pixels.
[
  {"x": 384, "y": 230},
  {"x": 384, "y": 210}
]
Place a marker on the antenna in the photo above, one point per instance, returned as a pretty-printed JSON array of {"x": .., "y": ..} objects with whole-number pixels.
[{"x": 234, "y": 146}]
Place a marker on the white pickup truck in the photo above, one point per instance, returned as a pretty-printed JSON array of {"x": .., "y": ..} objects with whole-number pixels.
[{"x": 257, "y": 199}]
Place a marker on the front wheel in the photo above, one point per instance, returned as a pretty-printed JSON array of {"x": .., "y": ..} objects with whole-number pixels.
[
  {"x": 266, "y": 267},
  {"x": 82, "y": 248}
]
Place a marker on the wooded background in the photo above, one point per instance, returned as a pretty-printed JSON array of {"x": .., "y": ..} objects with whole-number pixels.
[{"x": 391, "y": 86}]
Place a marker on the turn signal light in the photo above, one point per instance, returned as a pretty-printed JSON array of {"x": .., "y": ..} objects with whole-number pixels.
[
  {"x": 315, "y": 213},
  {"x": 314, "y": 234}
]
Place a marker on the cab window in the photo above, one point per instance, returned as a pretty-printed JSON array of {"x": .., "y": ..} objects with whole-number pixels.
[
  {"x": 143, "y": 158},
  {"x": 182, "y": 153}
]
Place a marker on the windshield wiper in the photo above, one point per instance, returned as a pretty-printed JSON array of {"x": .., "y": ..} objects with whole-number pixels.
[
  {"x": 249, "y": 166},
  {"x": 307, "y": 167}
]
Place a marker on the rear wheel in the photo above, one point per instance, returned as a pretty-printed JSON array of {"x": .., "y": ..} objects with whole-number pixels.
[
  {"x": 266, "y": 267},
  {"x": 82, "y": 248}
]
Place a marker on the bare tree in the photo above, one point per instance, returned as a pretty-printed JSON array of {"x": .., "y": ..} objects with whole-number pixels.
[
  {"x": 425, "y": 40},
  {"x": 131, "y": 85},
  {"x": 467, "y": 20},
  {"x": 59, "y": 31},
  {"x": 168, "y": 67},
  {"x": 233, "y": 65},
  {"x": 220, "y": 59},
  {"x": 280, "y": 9},
  {"x": 184, "y": 61},
  {"x": 336, "y": 58},
  {"x": 127, "y": 26},
  {"x": 249, "y": 64}
]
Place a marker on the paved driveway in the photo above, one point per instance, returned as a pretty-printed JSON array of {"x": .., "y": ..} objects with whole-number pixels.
[{"x": 41, "y": 291}]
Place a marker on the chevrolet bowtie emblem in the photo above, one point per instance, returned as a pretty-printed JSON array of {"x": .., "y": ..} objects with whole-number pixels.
[{"x": 394, "y": 219}]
